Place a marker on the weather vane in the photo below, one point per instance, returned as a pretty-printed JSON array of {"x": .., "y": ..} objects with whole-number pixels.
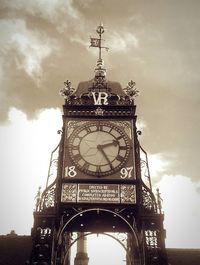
[{"x": 97, "y": 42}]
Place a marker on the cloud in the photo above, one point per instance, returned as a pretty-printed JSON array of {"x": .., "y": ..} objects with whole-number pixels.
[
  {"x": 141, "y": 125},
  {"x": 122, "y": 41},
  {"x": 116, "y": 41},
  {"x": 49, "y": 10},
  {"x": 158, "y": 164},
  {"x": 181, "y": 201},
  {"x": 31, "y": 47},
  {"x": 24, "y": 52}
]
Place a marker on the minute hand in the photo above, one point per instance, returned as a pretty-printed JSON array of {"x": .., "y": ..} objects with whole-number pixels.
[{"x": 99, "y": 147}]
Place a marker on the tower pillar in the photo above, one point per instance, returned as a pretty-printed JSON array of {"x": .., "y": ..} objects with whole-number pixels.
[{"x": 81, "y": 255}]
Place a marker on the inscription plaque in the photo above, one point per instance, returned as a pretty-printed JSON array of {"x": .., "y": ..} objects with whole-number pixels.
[{"x": 98, "y": 193}]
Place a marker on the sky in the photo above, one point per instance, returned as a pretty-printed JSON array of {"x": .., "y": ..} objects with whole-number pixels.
[{"x": 154, "y": 43}]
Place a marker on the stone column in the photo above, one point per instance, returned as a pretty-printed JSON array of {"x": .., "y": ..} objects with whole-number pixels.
[{"x": 81, "y": 255}]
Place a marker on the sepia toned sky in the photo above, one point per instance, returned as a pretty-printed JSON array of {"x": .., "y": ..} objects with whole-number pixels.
[{"x": 155, "y": 43}]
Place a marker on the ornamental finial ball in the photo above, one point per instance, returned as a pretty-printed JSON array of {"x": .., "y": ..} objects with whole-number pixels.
[{"x": 100, "y": 29}]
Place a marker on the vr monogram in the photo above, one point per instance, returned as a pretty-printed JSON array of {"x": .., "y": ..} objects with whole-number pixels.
[{"x": 100, "y": 98}]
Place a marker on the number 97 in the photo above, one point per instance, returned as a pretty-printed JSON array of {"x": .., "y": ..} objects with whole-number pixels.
[{"x": 126, "y": 172}]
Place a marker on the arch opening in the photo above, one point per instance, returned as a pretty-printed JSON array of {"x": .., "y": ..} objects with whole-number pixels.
[
  {"x": 102, "y": 249},
  {"x": 132, "y": 229}
]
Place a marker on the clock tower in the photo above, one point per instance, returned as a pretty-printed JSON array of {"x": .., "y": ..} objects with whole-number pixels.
[{"x": 99, "y": 185}]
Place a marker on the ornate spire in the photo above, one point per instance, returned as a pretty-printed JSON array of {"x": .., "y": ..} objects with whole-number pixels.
[{"x": 100, "y": 71}]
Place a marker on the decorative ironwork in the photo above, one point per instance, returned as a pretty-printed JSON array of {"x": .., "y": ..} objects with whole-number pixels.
[
  {"x": 53, "y": 165},
  {"x": 139, "y": 132},
  {"x": 59, "y": 132},
  {"x": 67, "y": 91},
  {"x": 71, "y": 125},
  {"x": 128, "y": 194},
  {"x": 100, "y": 72},
  {"x": 127, "y": 127},
  {"x": 97, "y": 42},
  {"x": 99, "y": 111},
  {"x": 151, "y": 238},
  {"x": 48, "y": 197},
  {"x": 42, "y": 246},
  {"x": 110, "y": 113},
  {"x": 86, "y": 99},
  {"x": 38, "y": 199},
  {"x": 99, "y": 82},
  {"x": 69, "y": 193},
  {"x": 145, "y": 173},
  {"x": 131, "y": 90},
  {"x": 148, "y": 199},
  {"x": 159, "y": 201},
  {"x": 74, "y": 237}
]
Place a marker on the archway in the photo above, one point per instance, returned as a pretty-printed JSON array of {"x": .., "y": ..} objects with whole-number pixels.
[
  {"x": 133, "y": 231},
  {"x": 114, "y": 237}
]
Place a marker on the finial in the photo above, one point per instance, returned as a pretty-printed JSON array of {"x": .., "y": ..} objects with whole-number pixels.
[
  {"x": 97, "y": 43},
  {"x": 131, "y": 90},
  {"x": 67, "y": 91},
  {"x": 159, "y": 201},
  {"x": 38, "y": 198},
  {"x": 100, "y": 29}
]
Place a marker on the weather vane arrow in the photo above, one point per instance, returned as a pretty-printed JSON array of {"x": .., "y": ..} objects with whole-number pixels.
[{"x": 97, "y": 42}]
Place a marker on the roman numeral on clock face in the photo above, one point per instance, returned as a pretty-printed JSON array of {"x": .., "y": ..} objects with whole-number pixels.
[
  {"x": 119, "y": 137},
  {"x": 120, "y": 158},
  {"x": 75, "y": 147},
  {"x": 124, "y": 147},
  {"x": 99, "y": 127},
  {"x": 77, "y": 157},
  {"x": 86, "y": 166},
  {"x": 98, "y": 169},
  {"x": 88, "y": 130}
]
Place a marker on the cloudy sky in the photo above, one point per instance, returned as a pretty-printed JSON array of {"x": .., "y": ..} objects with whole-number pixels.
[{"x": 155, "y": 43}]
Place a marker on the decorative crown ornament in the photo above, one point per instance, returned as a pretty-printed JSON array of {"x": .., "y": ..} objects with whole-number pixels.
[
  {"x": 67, "y": 91},
  {"x": 131, "y": 90},
  {"x": 99, "y": 111}
]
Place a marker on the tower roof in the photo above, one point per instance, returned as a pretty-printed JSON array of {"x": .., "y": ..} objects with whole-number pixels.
[
  {"x": 111, "y": 86},
  {"x": 99, "y": 83}
]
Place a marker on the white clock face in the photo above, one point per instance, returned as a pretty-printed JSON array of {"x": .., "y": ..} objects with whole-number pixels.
[{"x": 99, "y": 148}]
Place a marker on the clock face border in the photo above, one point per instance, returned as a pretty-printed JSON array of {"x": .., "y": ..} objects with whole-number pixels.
[{"x": 115, "y": 131}]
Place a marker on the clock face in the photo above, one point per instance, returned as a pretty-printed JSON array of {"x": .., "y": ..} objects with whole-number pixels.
[{"x": 99, "y": 148}]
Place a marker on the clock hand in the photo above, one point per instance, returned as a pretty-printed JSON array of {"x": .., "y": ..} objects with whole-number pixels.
[
  {"x": 114, "y": 142},
  {"x": 99, "y": 147}
]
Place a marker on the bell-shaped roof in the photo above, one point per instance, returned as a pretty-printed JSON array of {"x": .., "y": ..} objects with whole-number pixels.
[{"x": 100, "y": 83}]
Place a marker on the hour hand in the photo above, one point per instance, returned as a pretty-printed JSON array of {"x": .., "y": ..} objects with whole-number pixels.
[{"x": 114, "y": 142}]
